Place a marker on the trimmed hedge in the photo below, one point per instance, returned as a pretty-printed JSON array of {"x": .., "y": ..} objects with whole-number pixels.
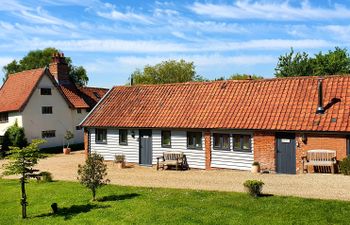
[{"x": 59, "y": 149}]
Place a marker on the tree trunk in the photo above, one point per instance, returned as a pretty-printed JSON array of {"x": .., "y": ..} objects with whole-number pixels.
[
  {"x": 24, "y": 197},
  {"x": 93, "y": 194}
]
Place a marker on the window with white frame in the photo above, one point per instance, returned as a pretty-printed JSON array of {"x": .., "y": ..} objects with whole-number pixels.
[
  {"x": 123, "y": 136},
  {"x": 46, "y": 109},
  {"x": 4, "y": 117},
  {"x": 48, "y": 133},
  {"x": 166, "y": 138}
]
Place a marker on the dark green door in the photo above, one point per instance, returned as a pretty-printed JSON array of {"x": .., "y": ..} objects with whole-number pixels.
[
  {"x": 145, "y": 147},
  {"x": 286, "y": 156}
]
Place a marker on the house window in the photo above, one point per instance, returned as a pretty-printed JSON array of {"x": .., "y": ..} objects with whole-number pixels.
[
  {"x": 221, "y": 141},
  {"x": 48, "y": 133},
  {"x": 79, "y": 111},
  {"x": 45, "y": 91},
  {"x": 78, "y": 128},
  {"x": 46, "y": 110},
  {"x": 123, "y": 137},
  {"x": 194, "y": 140},
  {"x": 242, "y": 142},
  {"x": 166, "y": 138},
  {"x": 4, "y": 117},
  {"x": 101, "y": 136},
  {"x": 88, "y": 110}
]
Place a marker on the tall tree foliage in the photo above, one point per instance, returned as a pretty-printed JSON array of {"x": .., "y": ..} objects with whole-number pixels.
[
  {"x": 41, "y": 58},
  {"x": 238, "y": 76},
  {"x": 92, "y": 174},
  {"x": 171, "y": 71},
  {"x": 301, "y": 64},
  {"x": 22, "y": 161}
]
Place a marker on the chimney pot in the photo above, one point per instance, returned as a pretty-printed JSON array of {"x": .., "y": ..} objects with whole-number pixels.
[{"x": 59, "y": 68}]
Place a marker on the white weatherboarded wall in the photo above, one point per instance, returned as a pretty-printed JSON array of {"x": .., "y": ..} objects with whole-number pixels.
[
  {"x": 195, "y": 158},
  {"x": 232, "y": 159},
  {"x": 112, "y": 148}
]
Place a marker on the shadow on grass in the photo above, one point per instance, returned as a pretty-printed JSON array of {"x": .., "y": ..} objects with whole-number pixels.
[
  {"x": 69, "y": 212},
  {"x": 265, "y": 195},
  {"x": 111, "y": 198}
]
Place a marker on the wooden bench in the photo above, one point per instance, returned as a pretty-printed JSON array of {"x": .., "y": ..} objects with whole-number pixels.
[
  {"x": 319, "y": 158},
  {"x": 177, "y": 159}
]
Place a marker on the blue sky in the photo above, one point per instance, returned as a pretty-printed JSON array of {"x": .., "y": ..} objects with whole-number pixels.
[{"x": 113, "y": 38}]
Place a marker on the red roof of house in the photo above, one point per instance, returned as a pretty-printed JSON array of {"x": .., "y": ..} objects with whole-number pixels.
[
  {"x": 92, "y": 95},
  {"x": 16, "y": 91},
  {"x": 271, "y": 104}
]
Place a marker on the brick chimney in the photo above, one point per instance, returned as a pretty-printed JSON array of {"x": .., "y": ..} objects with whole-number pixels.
[{"x": 59, "y": 68}]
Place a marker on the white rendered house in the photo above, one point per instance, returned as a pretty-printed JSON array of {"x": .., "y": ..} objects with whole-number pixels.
[{"x": 46, "y": 103}]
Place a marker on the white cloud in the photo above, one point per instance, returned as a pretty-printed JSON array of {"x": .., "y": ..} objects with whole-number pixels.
[
  {"x": 245, "y": 9},
  {"x": 338, "y": 31},
  {"x": 199, "y": 60},
  {"x": 144, "y": 46},
  {"x": 110, "y": 12}
]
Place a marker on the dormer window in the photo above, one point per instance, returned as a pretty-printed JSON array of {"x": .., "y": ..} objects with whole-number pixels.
[
  {"x": 97, "y": 95},
  {"x": 45, "y": 91}
]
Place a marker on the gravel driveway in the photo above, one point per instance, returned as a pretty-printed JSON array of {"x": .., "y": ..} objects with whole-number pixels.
[{"x": 324, "y": 186}]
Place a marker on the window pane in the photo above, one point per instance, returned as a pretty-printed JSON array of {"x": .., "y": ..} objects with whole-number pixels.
[
  {"x": 101, "y": 135},
  {"x": 166, "y": 138},
  {"x": 198, "y": 140},
  {"x": 216, "y": 140},
  {"x": 237, "y": 142},
  {"x": 123, "y": 136},
  {"x": 45, "y": 91},
  {"x": 246, "y": 142},
  {"x": 225, "y": 141},
  {"x": 190, "y": 142}
]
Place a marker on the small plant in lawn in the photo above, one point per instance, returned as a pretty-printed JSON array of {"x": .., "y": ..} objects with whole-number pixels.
[
  {"x": 345, "y": 166},
  {"x": 22, "y": 161},
  {"x": 46, "y": 177},
  {"x": 92, "y": 173},
  {"x": 254, "y": 187}
]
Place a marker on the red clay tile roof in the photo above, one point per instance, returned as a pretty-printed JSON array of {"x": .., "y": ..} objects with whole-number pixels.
[
  {"x": 92, "y": 95},
  {"x": 74, "y": 96},
  {"x": 16, "y": 91},
  {"x": 273, "y": 104}
]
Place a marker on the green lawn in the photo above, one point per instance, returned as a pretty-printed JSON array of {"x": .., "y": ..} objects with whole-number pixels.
[{"x": 133, "y": 205}]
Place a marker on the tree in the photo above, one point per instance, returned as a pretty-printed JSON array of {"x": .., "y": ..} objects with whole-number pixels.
[
  {"x": 92, "y": 174},
  {"x": 22, "y": 161},
  {"x": 238, "y": 76},
  {"x": 300, "y": 64},
  {"x": 41, "y": 58},
  {"x": 171, "y": 71},
  {"x": 14, "y": 136}
]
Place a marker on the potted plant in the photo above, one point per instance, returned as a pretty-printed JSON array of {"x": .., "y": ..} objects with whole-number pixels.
[
  {"x": 120, "y": 161},
  {"x": 255, "y": 167},
  {"x": 69, "y": 135}
]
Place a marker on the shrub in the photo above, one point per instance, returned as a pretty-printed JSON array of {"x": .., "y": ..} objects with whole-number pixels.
[
  {"x": 46, "y": 176},
  {"x": 92, "y": 173},
  {"x": 119, "y": 158},
  {"x": 254, "y": 187},
  {"x": 14, "y": 136},
  {"x": 345, "y": 166}
]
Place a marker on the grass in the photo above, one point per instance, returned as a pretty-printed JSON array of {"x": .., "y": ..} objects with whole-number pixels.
[{"x": 134, "y": 205}]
